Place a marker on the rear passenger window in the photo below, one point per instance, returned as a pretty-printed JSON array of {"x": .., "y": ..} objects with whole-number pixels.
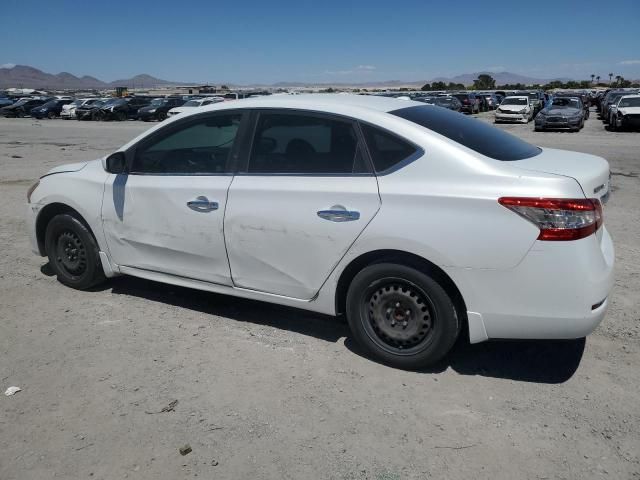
[
  {"x": 386, "y": 150},
  {"x": 202, "y": 147},
  {"x": 305, "y": 144}
]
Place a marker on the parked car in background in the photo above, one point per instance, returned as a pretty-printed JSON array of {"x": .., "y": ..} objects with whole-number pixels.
[
  {"x": 586, "y": 102},
  {"x": 452, "y": 103},
  {"x": 627, "y": 113},
  {"x": 158, "y": 108},
  {"x": 196, "y": 102},
  {"x": 536, "y": 99},
  {"x": 470, "y": 104},
  {"x": 514, "y": 109},
  {"x": 563, "y": 113},
  {"x": 6, "y": 101},
  {"x": 88, "y": 110},
  {"x": 22, "y": 107},
  {"x": 611, "y": 97},
  {"x": 50, "y": 109},
  {"x": 491, "y": 100},
  {"x": 121, "y": 108},
  {"x": 69, "y": 111}
]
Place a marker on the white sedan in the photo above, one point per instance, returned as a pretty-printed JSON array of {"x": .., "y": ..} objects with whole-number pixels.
[
  {"x": 194, "y": 103},
  {"x": 416, "y": 222},
  {"x": 514, "y": 109}
]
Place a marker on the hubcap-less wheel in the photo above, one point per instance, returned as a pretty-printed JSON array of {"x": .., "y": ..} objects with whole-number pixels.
[
  {"x": 400, "y": 316},
  {"x": 71, "y": 254}
]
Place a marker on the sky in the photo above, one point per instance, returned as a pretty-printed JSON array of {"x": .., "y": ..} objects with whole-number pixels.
[{"x": 328, "y": 41}]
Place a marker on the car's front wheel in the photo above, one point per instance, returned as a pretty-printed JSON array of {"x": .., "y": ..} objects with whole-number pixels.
[
  {"x": 401, "y": 316},
  {"x": 73, "y": 252}
]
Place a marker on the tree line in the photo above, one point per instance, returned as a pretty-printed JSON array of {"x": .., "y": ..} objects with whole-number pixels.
[{"x": 487, "y": 82}]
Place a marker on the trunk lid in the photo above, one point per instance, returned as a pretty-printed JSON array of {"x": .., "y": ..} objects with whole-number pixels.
[{"x": 591, "y": 172}]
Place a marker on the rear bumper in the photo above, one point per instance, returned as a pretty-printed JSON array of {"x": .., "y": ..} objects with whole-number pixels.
[{"x": 560, "y": 290}]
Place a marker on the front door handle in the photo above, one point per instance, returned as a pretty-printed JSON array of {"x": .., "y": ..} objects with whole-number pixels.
[
  {"x": 202, "y": 204},
  {"x": 338, "y": 213}
]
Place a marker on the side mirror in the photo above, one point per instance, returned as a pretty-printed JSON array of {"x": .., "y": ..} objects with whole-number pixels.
[{"x": 115, "y": 163}]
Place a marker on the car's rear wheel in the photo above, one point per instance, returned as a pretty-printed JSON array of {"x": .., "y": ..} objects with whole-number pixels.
[
  {"x": 401, "y": 316},
  {"x": 73, "y": 252},
  {"x": 51, "y": 115},
  {"x": 162, "y": 116}
]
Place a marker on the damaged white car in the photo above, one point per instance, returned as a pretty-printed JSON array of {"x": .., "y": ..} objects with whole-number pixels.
[{"x": 415, "y": 222}]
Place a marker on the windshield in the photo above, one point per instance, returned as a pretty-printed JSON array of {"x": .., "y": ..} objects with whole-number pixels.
[
  {"x": 192, "y": 103},
  {"x": 51, "y": 103},
  {"x": 566, "y": 102},
  {"x": 114, "y": 101},
  {"x": 22, "y": 101},
  {"x": 515, "y": 101},
  {"x": 630, "y": 102},
  {"x": 156, "y": 102},
  {"x": 533, "y": 95},
  {"x": 76, "y": 102},
  {"x": 444, "y": 100},
  {"x": 476, "y": 135}
]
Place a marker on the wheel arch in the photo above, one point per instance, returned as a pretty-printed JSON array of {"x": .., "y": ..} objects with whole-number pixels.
[
  {"x": 403, "y": 258},
  {"x": 47, "y": 213}
]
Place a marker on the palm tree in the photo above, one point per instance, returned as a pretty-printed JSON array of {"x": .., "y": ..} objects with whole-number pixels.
[
  {"x": 597, "y": 79},
  {"x": 592, "y": 77},
  {"x": 618, "y": 79},
  {"x": 610, "y": 75}
]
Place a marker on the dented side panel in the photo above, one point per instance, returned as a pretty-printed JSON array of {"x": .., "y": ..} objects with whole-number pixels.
[
  {"x": 276, "y": 241},
  {"x": 149, "y": 225}
]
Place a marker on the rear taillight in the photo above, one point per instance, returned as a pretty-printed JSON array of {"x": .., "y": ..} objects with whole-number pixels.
[{"x": 558, "y": 219}]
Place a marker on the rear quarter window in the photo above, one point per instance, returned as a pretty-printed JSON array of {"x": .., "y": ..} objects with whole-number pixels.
[{"x": 470, "y": 132}]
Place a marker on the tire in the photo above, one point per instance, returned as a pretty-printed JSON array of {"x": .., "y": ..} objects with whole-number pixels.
[
  {"x": 422, "y": 327},
  {"x": 73, "y": 252},
  {"x": 51, "y": 115},
  {"x": 121, "y": 116},
  {"x": 537, "y": 129},
  {"x": 162, "y": 116}
]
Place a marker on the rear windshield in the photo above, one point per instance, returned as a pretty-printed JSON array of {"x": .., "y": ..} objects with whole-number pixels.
[{"x": 470, "y": 132}]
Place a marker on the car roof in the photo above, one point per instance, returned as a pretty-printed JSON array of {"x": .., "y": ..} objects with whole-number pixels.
[
  {"x": 323, "y": 102},
  {"x": 516, "y": 96}
]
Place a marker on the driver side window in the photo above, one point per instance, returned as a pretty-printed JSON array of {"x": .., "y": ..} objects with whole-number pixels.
[{"x": 201, "y": 147}]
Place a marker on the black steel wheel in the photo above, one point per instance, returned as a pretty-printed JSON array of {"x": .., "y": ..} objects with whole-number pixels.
[
  {"x": 401, "y": 316},
  {"x": 73, "y": 252}
]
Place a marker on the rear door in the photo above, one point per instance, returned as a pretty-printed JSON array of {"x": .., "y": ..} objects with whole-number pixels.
[{"x": 305, "y": 194}]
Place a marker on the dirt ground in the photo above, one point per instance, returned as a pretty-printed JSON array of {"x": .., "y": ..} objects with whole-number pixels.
[{"x": 267, "y": 392}]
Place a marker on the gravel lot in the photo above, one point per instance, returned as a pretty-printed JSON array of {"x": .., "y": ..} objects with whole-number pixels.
[{"x": 271, "y": 392}]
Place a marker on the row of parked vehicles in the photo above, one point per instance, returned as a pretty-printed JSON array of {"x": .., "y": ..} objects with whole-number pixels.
[
  {"x": 143, "y": 108},
  {"x": 619, "y": 108}
]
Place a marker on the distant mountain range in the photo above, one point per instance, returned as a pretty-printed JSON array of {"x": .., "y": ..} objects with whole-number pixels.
[{"x": 23, "y": 76}]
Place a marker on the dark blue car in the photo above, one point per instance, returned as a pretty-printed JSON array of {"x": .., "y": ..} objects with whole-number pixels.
[{"x": 51, "y": 109}]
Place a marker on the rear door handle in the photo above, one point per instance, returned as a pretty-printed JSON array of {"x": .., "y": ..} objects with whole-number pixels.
[
  {"x": 202, "y": 204},
  {"x": 338, "y": 213}
]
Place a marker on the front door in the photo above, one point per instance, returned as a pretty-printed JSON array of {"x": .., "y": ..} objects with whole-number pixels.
[
  {"x": 304, "y": 197},
  {"x": 167, "y": 214}
]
